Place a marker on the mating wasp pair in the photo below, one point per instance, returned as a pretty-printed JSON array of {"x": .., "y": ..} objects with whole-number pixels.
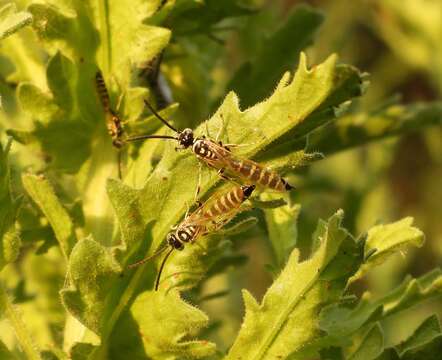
[
  {"x": 220, "y": 208},
  {"x": 209, "y": 217}
]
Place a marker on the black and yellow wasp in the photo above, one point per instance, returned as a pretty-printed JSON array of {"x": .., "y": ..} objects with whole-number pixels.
[
  {"x": 218, "y": 156},
  {"x": 209, "y": 217},
  {"x": 114, "y": 124}
]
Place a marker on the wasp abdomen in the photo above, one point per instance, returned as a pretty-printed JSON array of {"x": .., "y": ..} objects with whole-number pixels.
[
  {"x": 259, "y": 174},
  {"x": 102, "y": 91},
  {"x": 229, "y": 201}
]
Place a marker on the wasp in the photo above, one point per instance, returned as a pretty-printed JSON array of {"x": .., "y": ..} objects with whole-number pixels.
[
  {"x": 209, "y": 217},
  {"x": 218, "y": 156},
  {"x": 114, "y": 123}
]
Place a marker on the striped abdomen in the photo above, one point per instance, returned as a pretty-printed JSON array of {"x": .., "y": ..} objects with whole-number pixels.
[
  {"x": 102, "y": 91},
  {"x": 258, "y": 174},
  {"x": 113, "y": 122},
  {"x": 229, "y": 201}
]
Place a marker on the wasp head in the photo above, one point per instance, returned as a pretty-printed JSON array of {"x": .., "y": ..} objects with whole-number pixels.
[
  {"x": 174, "y": 242},
  {"x": 185, "y": 138}
]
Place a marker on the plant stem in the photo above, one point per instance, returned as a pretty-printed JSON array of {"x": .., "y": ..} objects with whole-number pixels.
[
  {"x": 103, "y": 14},
  {"x": 17, "y": 323}
]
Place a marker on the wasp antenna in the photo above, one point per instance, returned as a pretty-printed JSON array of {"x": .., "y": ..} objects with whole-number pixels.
[
  {"x": 157, "y": 282},
  {"x": 163, "y": 120},
  {"x": 143, "y": 137},
  {"x": 141, "y": 262}
]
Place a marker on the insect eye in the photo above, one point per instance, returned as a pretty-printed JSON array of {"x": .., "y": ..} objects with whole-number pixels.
[
  {"x": 171, "y": 239},
  {"x": 177, "y": 245}
]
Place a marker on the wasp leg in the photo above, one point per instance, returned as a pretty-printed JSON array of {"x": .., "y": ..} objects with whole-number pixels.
[
  {"x": 207, "y": 129},
  {"x": 119, "y": 161},
  {"x": 198, "y": 185},
  {"x": 222, "y": 175}
]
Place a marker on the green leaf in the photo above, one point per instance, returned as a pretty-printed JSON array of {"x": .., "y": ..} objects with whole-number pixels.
[
  {"x": 258, "y": 126},
  {"x": 8, "y": 310},
  {"x": 285, "y": 320},
  {"x": 81, "y": 351},
  {"x": 360, "y": 128},
  {"x": 57, "y": 115},
  {"x": 11, "y": 21},
  {"x": 340, "y": 321},
  {"x": 194, "y": 17},
  {"x": 166, "y": 329},
  {"x": 65, "y": 28},
  {"x": 282, "y": 230},
  {"x": 5, "y": 354},
  {"x": 9, "y": 235},
  {"x": 136, "y": 43},
  {"x": 255, "y": 79},
  {"x": 91, "y": 272},
  {"x": 42, "y": 192},
  {"x": 385, "y": 240},
  {"x": 371, "y": 346},
  {"x": 427, "y": 333},
  {"x": 37, "y": 103}
]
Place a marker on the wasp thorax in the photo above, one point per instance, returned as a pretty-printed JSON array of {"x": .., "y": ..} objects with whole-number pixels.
[
  {"x": 174, "y": 242},
  {"x": 183, "y": 235},
  {"x": 200, "y": 148},
  {"x": 185, "y": 138}
]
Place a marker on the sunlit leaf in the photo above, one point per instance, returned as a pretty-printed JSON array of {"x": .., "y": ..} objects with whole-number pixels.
[
  {"x": 285, "y": 319},
  {"x": 282, "y": 230},
  {"x": 11, "y": 20},
  {"x": 9, "y": 235},
  {"x": 385, "y": 240},
  {"x": 165, "y": 332},
  {"x": 41, "y": 191}
]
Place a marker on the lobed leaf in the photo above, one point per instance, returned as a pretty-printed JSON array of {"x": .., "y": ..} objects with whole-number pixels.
[
  {"x": 385, "y": 240},
  {"x": 166, "y": 330},
  {"x": 340, "y": 321},
  {"x": 91, "y": 272},
  {"x": 285, "y": 320}
]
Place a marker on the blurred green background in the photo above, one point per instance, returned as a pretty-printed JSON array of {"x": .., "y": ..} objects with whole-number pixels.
[{"x": 398, "y": 42}]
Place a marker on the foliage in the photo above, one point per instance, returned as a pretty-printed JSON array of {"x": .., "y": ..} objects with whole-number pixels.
[{"x": 58, "y": 187}]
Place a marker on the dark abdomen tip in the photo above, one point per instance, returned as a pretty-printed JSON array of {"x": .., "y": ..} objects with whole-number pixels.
[
  {"x": 247, "y": 190},
  {"x": 287, "y": 186}
]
